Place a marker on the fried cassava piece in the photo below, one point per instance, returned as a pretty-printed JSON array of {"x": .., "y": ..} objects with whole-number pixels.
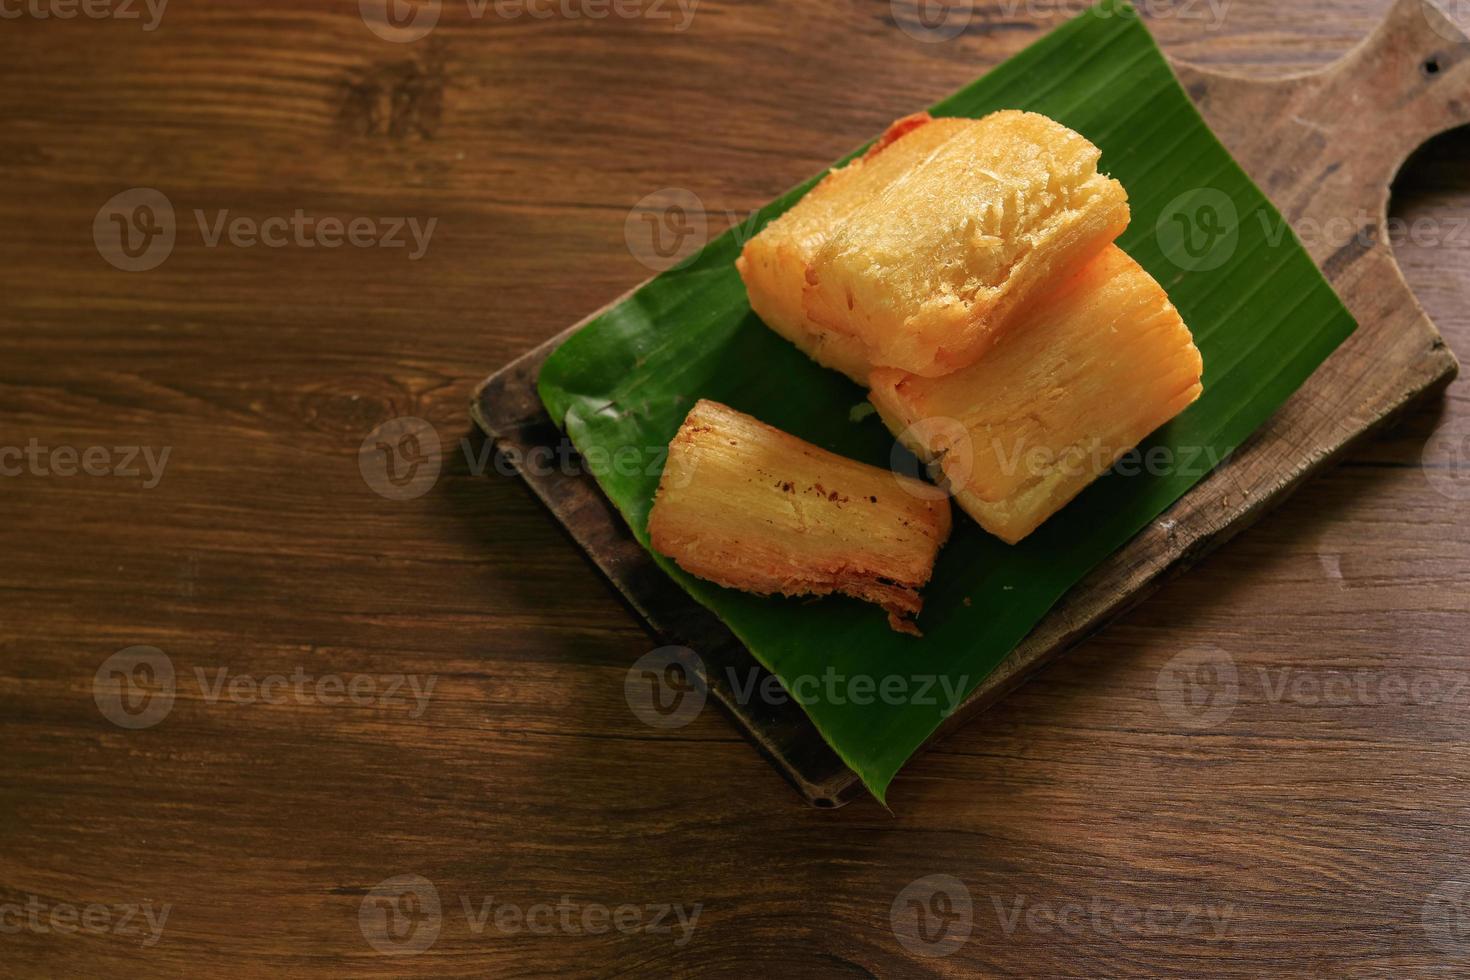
[
  {"x": 1093, "y": 367},
  {"x": 927, "y": 268},
  {"x": 750, "y": 507},
  {"x": 773, "y": 264}
]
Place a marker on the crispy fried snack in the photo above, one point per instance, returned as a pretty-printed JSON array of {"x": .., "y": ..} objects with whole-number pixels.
[
  {"x": 1094, "y": 367},
  {"x": 750, "y": 507},
  {"x": 931, "y": 267},
  {"x": 773, "y": 263}
]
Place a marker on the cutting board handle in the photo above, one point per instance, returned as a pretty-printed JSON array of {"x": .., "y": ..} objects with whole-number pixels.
[
  {"x": 1408, "y": 82},
  {"x": 1328, "y": 144}
]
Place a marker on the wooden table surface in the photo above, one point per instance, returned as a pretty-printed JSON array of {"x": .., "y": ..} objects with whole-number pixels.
[{"x": 451, "y": 723}]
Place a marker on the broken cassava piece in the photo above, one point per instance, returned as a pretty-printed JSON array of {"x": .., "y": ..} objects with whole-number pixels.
[{"x": 750, "y": 507}]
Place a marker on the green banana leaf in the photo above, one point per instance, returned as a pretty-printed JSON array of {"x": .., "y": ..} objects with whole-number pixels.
[{"x": 1261, "y": 313}]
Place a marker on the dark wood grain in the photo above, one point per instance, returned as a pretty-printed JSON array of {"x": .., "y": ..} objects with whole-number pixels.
[
  {"x": 1326, "y": 828},
  {"x": 1330, "y": 173},
  {"x": 508, "y": 410}
]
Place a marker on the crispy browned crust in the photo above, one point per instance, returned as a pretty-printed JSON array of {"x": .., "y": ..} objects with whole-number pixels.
[
  {"x": 773, "y": 264},
  {"x": 1100, "y": 362},
  {"x": 750, "y": 507},
  {"x": 933, "y": 269}
]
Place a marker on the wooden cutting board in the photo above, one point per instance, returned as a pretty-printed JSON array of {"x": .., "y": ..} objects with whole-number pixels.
[{"x": 1325, "y": 148}]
